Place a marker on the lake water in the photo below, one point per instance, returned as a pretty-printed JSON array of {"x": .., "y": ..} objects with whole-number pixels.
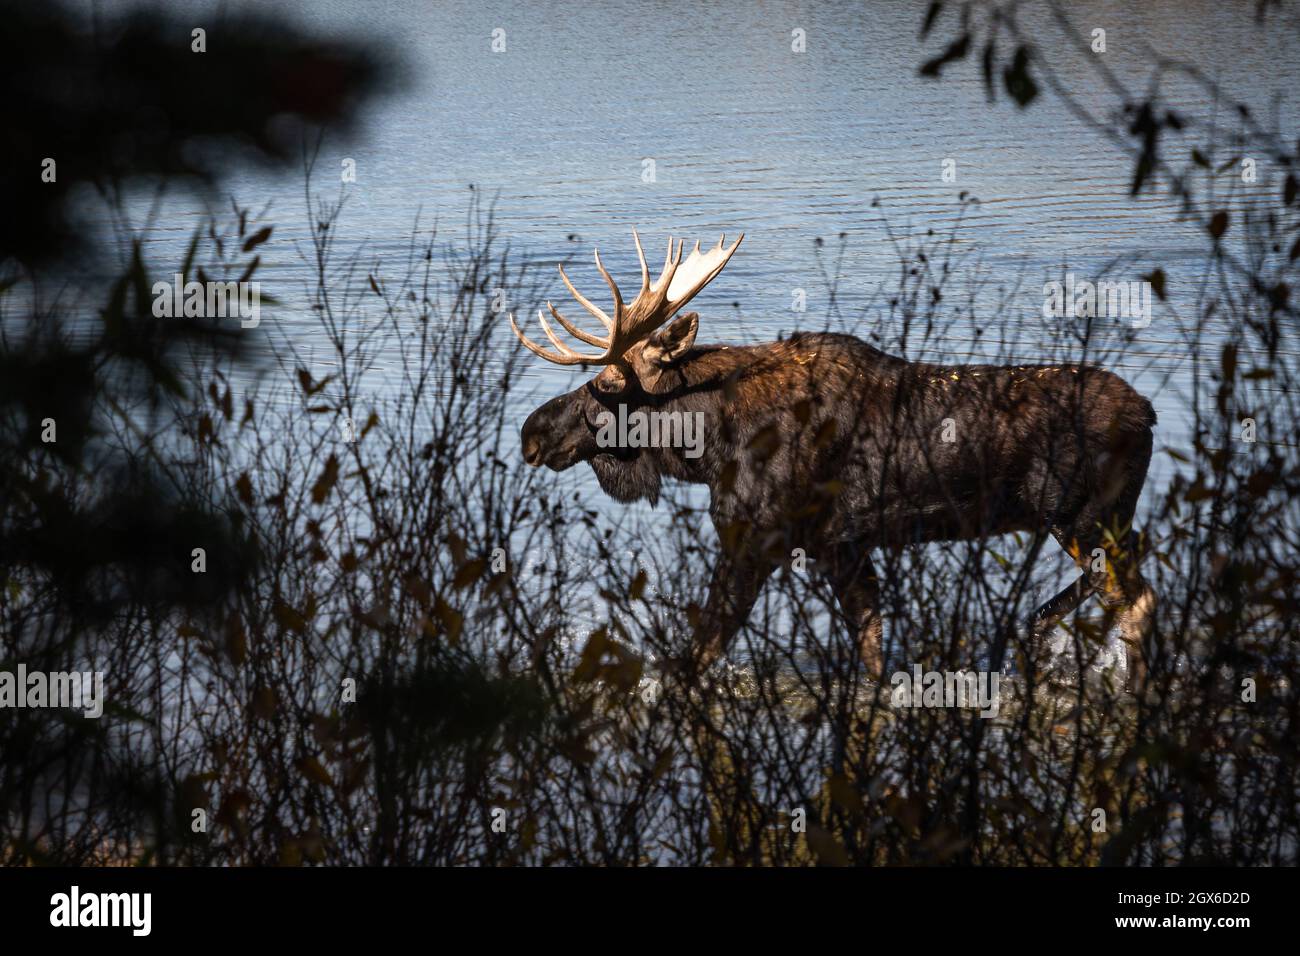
[{"x": 746, "y": 133}]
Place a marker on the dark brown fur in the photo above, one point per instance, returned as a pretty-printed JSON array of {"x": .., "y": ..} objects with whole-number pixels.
[{"x": 824, "y": 443}]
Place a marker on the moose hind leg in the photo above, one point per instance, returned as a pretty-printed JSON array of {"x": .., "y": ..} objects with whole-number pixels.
[
  {"x": 1136, "y": 618},
  {"x": 1111, "y": 571},
  {"x": 857, "y": 589}
]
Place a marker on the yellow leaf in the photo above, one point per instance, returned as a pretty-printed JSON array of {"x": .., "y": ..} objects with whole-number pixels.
[
  {"x": 244, "y": 488},
  {"x": 468, "y": 573},
  {"x": 825, "y": 847},
  {"x": 327, "y": 480},
  {"x": 311, "y": 768}
]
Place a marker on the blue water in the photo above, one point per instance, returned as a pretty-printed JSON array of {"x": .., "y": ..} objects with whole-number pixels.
[{"x": 748, "y": 134}]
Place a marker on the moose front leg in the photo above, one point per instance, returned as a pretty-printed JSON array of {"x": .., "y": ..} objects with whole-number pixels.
[
  {"x": 857, "y": 589},
  {"x": 733, "y": 589}
]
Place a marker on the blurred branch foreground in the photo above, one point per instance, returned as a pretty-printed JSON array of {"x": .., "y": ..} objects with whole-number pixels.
[{"x": 365, "y": 662}]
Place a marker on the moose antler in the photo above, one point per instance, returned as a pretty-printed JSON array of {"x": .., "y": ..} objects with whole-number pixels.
[{"x": 678, "y": 283}]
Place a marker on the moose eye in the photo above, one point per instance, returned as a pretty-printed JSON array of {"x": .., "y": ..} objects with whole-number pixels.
[{"x": 610, "y": 383}]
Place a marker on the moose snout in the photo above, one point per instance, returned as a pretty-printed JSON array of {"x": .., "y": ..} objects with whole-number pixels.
[
  {"x": 532, "y": 449},
  {"x": 533, "y": 436},
  {"x": 554, "y": 434}
]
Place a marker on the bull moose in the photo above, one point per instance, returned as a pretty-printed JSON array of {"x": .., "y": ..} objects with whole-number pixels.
[{"x": 825, "y": 442}]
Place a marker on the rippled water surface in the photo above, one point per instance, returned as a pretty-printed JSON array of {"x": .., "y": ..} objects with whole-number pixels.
[{"x": 747, "y": 134}]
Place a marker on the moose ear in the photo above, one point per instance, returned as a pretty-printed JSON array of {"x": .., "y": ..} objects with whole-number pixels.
[{"x": 672, "y": 342}]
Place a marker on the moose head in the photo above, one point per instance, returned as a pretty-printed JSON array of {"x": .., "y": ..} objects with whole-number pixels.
[{"x": 643, "y": 352}]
